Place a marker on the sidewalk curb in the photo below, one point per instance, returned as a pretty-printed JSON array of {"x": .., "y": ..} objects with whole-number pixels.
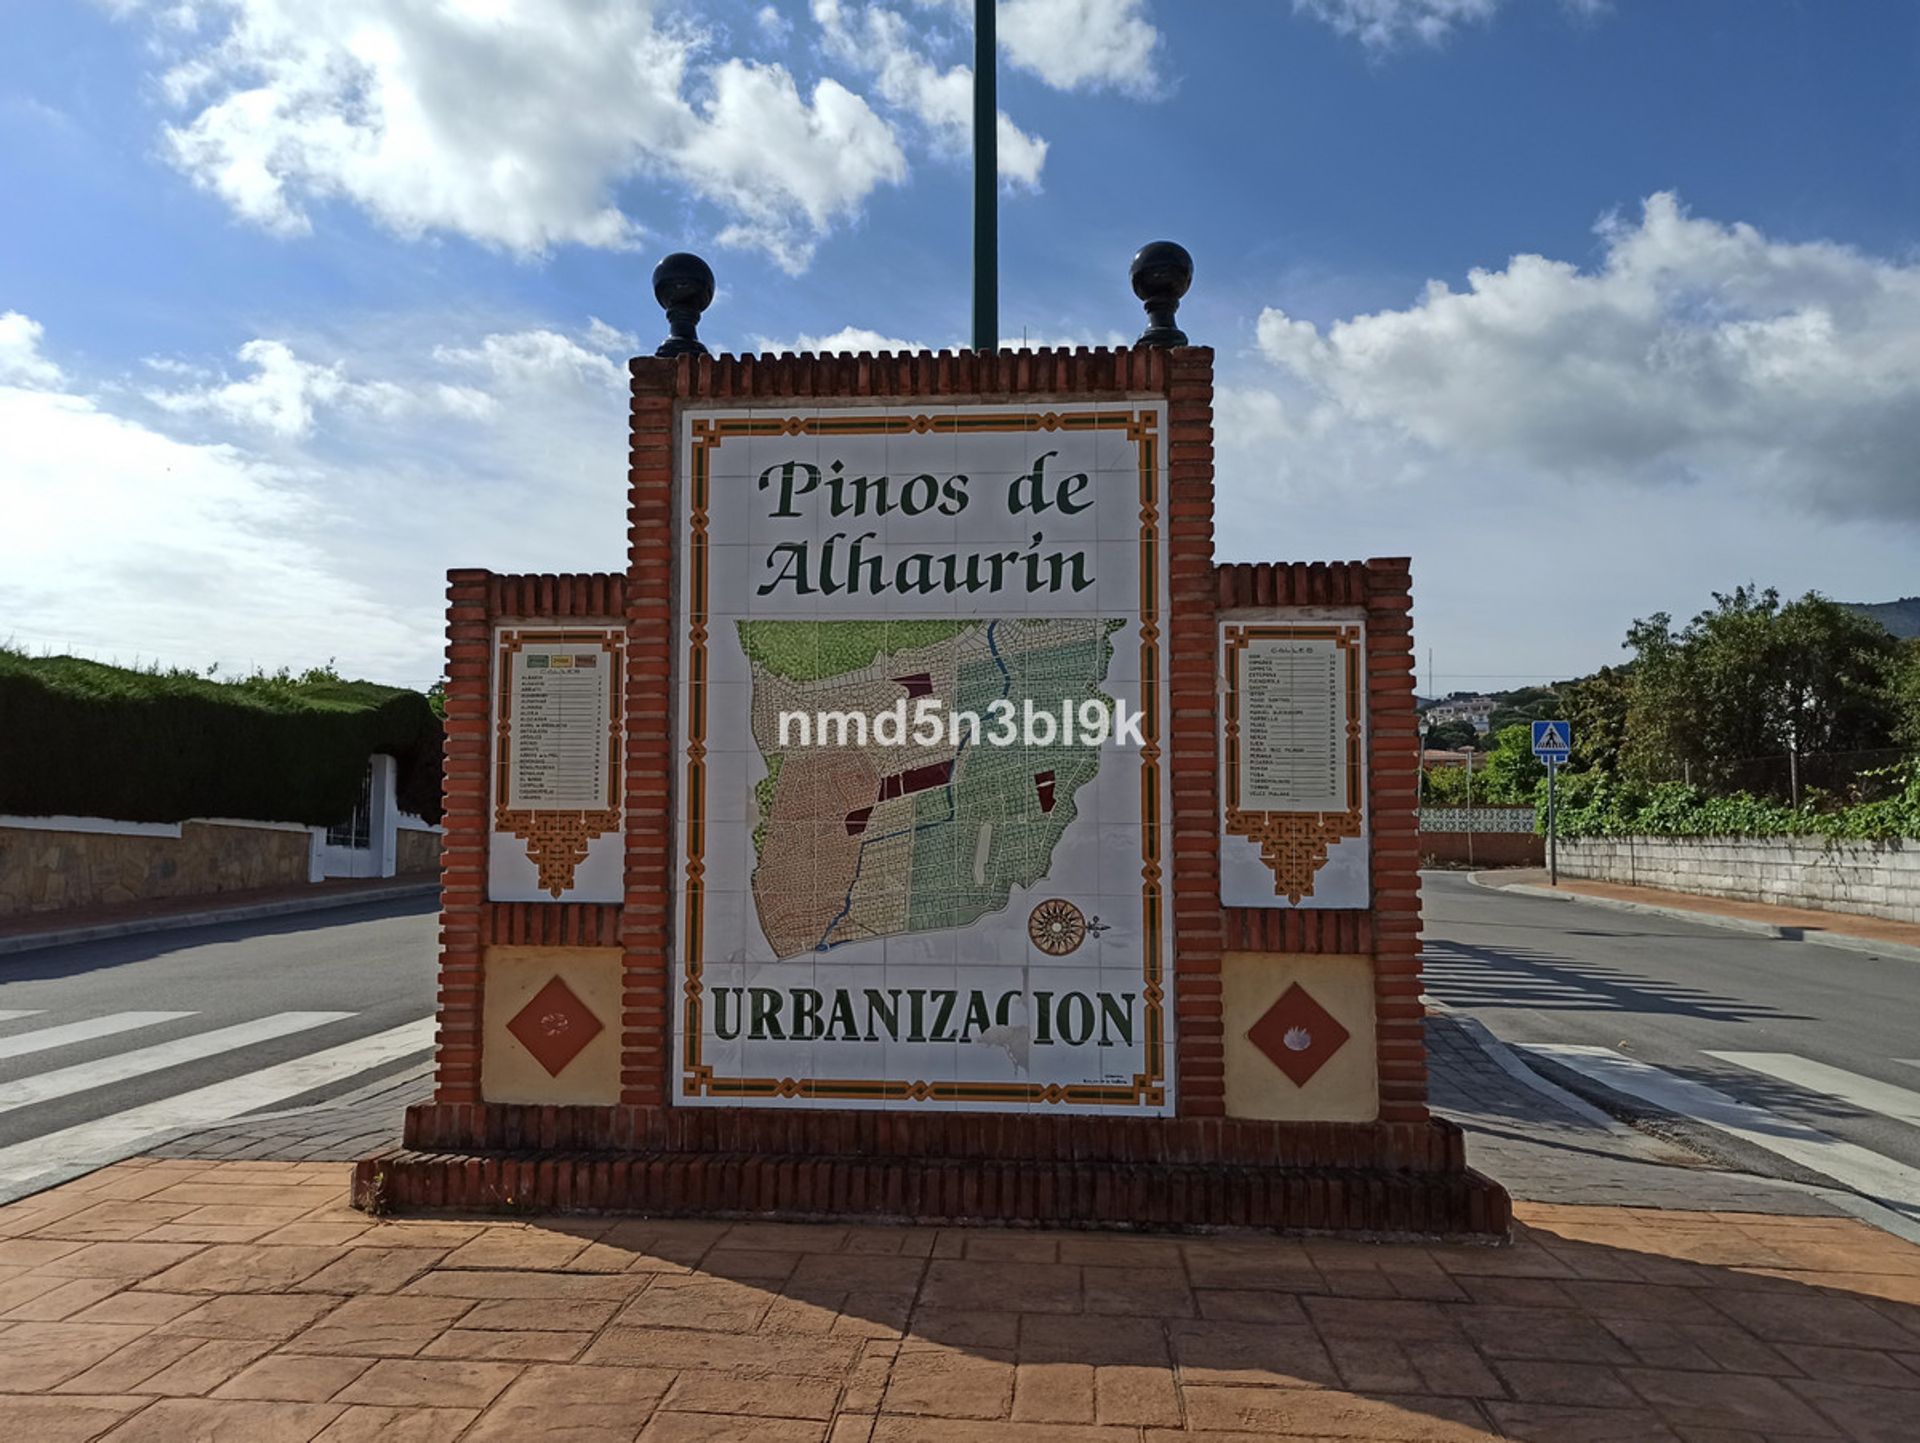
[
  {"x": 1816, "y": 937},
  {"x": 1516, "y": 1067},
  {"x": 135, "y": 926}
]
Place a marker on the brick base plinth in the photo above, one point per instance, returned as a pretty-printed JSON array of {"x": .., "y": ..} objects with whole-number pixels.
[{"x": 1377, "y": 1178}]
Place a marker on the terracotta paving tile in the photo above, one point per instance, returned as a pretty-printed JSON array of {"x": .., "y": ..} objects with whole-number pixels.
[
  {"x": 851, "y": 1428},
  {"x": 118, "y": 1260},
  {"x": 403, "y": 1232},
  {"x": 1119, "y": 1250},
  {"x": 324, "y": 1235},
  {"x": 1250, "y": 1305},
  {"x": 1545, "y": 1334},
  {"x": 788, "y": 1237},
  {"x": 944, "y": 1430},
  {"x": 950, "y": 1385},
  {"x": 711, "y": 1428},
  {"x": 1373, "y": 1365},
  {"x": 1117, "y": 1342},
  {"x": 1551, "y": 1423},
  {"x": 570, "y": 1402},
  {"x": 1136, "y": 1396},
  {"x": 1393, "y": 1319},
  {"x": 294, "y": 1378},
  {"x": 797, "y": 1315},
  {"x": 855, "y": 1273},
  {"x": 224, "y": 1420},
  {"x": 126, "y": 1369},
  {"x": 33, "y": 1252},
  {"x": 142, "y": 1308},
  {"x": 27, "y": 1286},
  {"x": 976, "y": 1331},
  {"x": 205, "y": 1368},
  {"x": 1852, "y": 1365},
  {"x": 429, "y": 1383},
  {"x": 1514, "y": 1292},
  {"x": 62, "y": 1420},
  {"x": 1871, "y": 1415},
  {"x": 990, "y": 1245},
  {"x": 1314, "y": 1414},
  {"x": 238, "y": 1268},
  {"x": 560, "y": 1315},
  {"x": 364, "y": 1424},
  {"x": 1579, "y": 1384},
  {"x": 371, "y": 1270},
  {"x": 729, "y": 1352},
  {"x": 716, "y": 1305},
  {"x": 541, "y": 1347},
  {"x": 184, "y": 1232},
  {"x": 1352, "y": 1283},
  {"x": 993, "y": 1287},
  {"x": 1251, "y": 1353},
  {"x": 389, "y": 1326},
  {"x": 71, "y": 1296},
  {"x": 1726, "y": 1400},
  {"x": 516, "y": 1248},
  {"x": 740, "y": 1264},
  {"x": 779, "y": 1395},
  {"x": 463, "y": 1283},
  {"x": 119, "y": 1219},
  {"x": 251, "y": 1315},
  {"x": 1454, "y": 1370},
  {"x": 1810, "y": 1317},
  {"x": 1142, "y": 1292},
  {"x": 40, "y": 1355},
  {"x": 1053, "y": 1393},
  {"x": 1282, "y": 1271}
]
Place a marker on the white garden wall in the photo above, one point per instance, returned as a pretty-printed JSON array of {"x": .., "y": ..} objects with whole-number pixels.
[{"x": 1872, "y": 879}]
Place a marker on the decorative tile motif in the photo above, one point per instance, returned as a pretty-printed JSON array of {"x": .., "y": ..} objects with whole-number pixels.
[
  {"x": 554, "y": 1025},
  {"x": 1298, "y": 1035}
]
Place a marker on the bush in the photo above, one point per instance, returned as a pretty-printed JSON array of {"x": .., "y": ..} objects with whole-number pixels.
[
  {"x": 1593, "y": 805},
  {"x": 78, "y": 738}
]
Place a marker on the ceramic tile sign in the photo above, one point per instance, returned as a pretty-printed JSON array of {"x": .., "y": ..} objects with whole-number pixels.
[
  {"x": 556, "y": 765},
  {"x": 923, "y": 844},
  {"x": 1293, "y": 759}
]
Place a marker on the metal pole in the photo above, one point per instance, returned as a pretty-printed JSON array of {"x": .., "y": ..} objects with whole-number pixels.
[
  {"x": 986, "y": 181},
  {"x": 1553, "y": 841}
]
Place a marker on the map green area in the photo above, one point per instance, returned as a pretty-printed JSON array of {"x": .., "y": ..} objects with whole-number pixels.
[{"x": 864, "y": 840}]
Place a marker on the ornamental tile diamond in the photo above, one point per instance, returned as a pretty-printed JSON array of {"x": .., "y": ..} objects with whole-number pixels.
[
  {"x": 554, "y": 1025},
  {"x": 1298, "y": 1035}
]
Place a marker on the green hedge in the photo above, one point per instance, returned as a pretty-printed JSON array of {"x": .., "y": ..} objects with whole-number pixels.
[
  {"x": 78, "y": 738},
  {"x": 1593, "y": 805}
]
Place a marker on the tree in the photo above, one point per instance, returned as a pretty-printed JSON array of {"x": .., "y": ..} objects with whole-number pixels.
[
  {"x": 1513, "y": 771},
  {"x": 1751, "y": 680},
  {"x": 1596, "y": 707},
  {"x": 1452, "y": 736}
]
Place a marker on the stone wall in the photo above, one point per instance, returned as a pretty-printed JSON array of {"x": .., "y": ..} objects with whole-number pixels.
[
  {"x": 416, "y": 853},
  {"x": 1871, "y": 879},
  {"x": 45, "y": 871}
]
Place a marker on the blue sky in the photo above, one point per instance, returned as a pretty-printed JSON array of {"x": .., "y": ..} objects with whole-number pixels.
[{"x": 1590, "y": 308}]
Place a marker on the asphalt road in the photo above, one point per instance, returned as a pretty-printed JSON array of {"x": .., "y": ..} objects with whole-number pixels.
[
  {"x": 1667, "y": 993},
  {"x": 238, "y": 984}
]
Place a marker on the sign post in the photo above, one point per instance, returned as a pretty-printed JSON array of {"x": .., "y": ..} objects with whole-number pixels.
[{"x": 1553, "y": 744}]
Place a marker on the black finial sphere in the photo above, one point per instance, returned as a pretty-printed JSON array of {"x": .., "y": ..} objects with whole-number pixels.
[
  {"x": 1161, "y": 272},
  {"x": 683, "y": 285}
]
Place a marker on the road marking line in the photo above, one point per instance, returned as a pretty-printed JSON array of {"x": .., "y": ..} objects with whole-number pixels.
[
  {"x": 65, "y": 1081},
  {"x": 1866, "y": 1093},
  {"x": 43, "y": 1038},
  {"x": 9, "y": 1014},
  {"x": 1866, "y": 1172},
  {"x": 41, "y": 1162}
]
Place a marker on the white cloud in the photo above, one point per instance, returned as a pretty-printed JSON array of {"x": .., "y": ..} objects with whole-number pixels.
[
  {"x": 284, "y": 392},
  {"x": 1383, "y": 24},
  {"x": 879, "y": 42},
  {"x": 513, "y": 122},
  {"x": 21, "y": 363},
  {"x": 1694, "y": 349},
  {"x": 1082, "y": 44}
]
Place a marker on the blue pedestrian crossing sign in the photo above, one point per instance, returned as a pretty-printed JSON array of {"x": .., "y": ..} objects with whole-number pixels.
[{"x": 1552, "y": 741}]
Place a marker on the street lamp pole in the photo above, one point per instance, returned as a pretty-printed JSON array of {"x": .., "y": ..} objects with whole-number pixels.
[{"x": 986, "y": 181}]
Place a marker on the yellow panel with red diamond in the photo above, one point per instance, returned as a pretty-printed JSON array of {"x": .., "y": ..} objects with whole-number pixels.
[
  {"x": 1299, "y": 1036},
  {"x": 552, "y": 1025}
]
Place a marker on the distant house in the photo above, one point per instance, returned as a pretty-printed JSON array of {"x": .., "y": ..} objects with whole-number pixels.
[{"x": 1477, "y": 711}]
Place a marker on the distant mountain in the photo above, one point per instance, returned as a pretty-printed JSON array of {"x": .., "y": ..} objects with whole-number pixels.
[{"x": 1901, "y": 617}]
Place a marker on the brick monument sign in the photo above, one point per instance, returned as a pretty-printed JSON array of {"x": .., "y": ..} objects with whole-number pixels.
[{"x": 924, "y": 826}]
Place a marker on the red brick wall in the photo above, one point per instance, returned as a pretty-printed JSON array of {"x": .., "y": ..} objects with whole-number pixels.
[
  {"x": 468, "y": 922},
  {"x": 1389, "y": 931}
]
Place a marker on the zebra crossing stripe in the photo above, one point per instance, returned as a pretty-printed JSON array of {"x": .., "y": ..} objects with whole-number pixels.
[
  {"x": 8, "y": 1014},
  {"x": 40, "y": 1162},
  {"x": 1866, "y": 1093},
  {"x": 42, "y": 1039},
  {"x": 1865, "y": 1172},
  {"x": 64, "y": 1081}
]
